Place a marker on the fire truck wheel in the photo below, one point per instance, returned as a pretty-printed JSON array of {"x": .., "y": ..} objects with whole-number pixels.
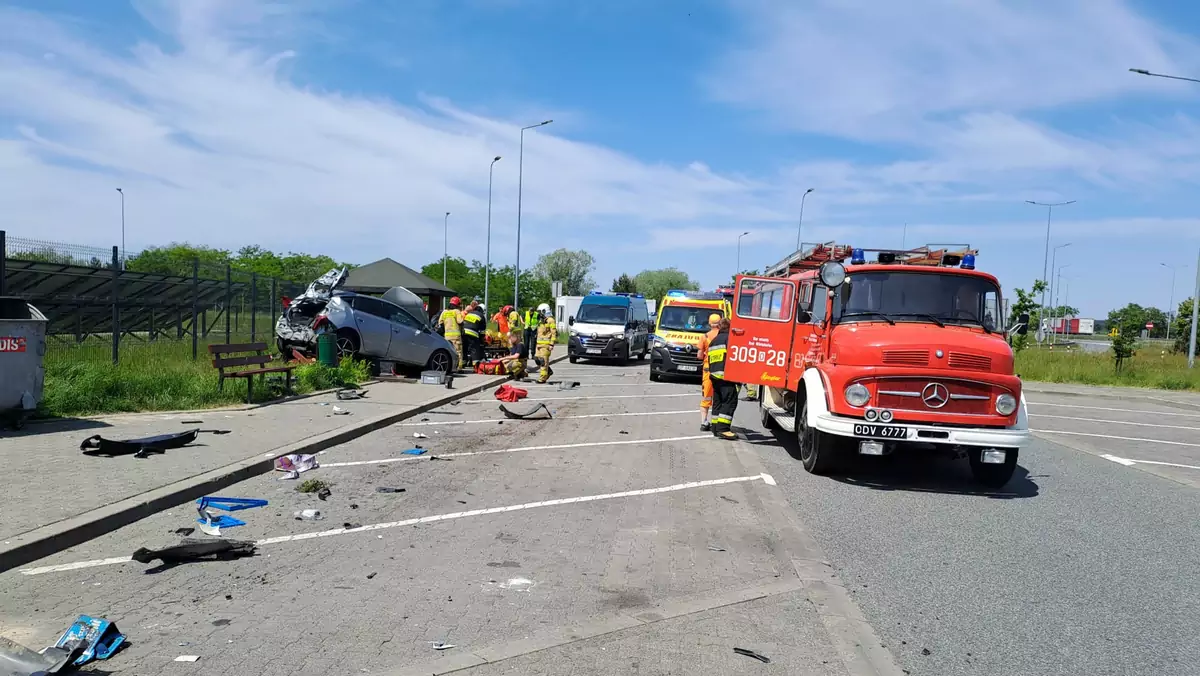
[
  {"x": 818, "y": 452},
  {"x": 992, "y": 476},
  {"x": 768, "y": 422}
]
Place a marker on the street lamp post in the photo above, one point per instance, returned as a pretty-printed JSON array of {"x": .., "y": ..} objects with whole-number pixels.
[
  {"x": 445, "y": 245},
  {"x": 122, "y": 227},
  {"x": 1196, "y": 294},
  {"x": 487, "y": 263},
  {"x": 739, "y": 253},
  {"x": 1046, "y": 253},
  {"x": 520, "y": 179},
  {"x": 1171, "y": 304},
  {"x": 1054, "y": 301},
  {"x": 800, "y": 226},
  {"x": 1053, "y": 258}
]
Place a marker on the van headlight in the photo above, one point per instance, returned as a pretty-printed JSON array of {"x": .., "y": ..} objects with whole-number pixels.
[
  {"x": 857, "y": 395},
  {"x": 1006, "y": 404}
]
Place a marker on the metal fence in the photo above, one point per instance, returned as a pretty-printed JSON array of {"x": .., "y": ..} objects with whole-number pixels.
[{"x": 89, "y": 296}]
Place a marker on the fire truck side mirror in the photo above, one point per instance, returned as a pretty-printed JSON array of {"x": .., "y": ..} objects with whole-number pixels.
[{"x": 803, "y": 316}]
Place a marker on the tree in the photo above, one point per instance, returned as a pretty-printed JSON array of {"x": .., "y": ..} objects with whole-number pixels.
[
  {"x": 624, "y": 284},
  {"x": 1181, "y": 328},
  {"x": 1026, "y": 303},
  {"x": 572, "y": 268},
  {"x": 1123, "y": 343},
  {"x": 1135, "y": 316},
  {"x": 656, "y": 283},
  {"x": 467, "y": 281}
]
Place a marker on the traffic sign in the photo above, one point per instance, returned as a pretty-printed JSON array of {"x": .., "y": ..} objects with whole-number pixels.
[{"x": 1149, "y": 325}]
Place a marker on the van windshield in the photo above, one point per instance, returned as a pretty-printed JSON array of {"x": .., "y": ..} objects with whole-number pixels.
[
  {"x": 681, "y": 318},
  {"x": 939, "y": 298},
  {"x": 603, "y": 314}
]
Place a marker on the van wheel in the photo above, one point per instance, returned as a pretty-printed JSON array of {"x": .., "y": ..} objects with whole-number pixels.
[
  {"x": 573, "y": 359},
  {"x": 655, "y": 377},
  {"x": 645, "y": 351},
  {"x": 992, "y": 476},
  {"x": 625, "y": 356},
  {"x": 818, "y": 452}
]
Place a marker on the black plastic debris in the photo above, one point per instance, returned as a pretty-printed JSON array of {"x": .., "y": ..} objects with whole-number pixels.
[
  {"x": 138, "y": 448},
  {"x": 191, "y": 549},
  {"x": 750, "y": 653},
  {"x": 218, "y": 432},
  {"x": 350, "y": 394},
  {"x": 526, "y": 411},
  {"x": 17, "y": 659},
  {"x": 371, "y": 576},
  {"x": 388, "y": 489},
  {"x": 324, "y": 493},
  {"x": 184, "y": 531},
  {"x": 623, "y": 432},
  {"x": 726, "y": 498},
  {"x": 348, "y": 525}
]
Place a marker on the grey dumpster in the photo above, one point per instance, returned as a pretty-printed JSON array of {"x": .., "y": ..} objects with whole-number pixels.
[{"x": 22, "y": 347}]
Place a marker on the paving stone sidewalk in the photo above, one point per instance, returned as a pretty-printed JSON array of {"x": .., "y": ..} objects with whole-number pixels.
[{"x": 48, "y": 479}]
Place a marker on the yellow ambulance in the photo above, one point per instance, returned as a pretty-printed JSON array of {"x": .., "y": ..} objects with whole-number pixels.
[{"x": 682, "y": 320}]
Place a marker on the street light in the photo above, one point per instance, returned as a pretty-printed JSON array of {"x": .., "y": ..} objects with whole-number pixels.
[
  {"x": 1054, "y": 299},
  {"x": 1046, "y": 253},
  {"x": 801, "y": 224},
  {"x": 445, "y": 245},
  {"x": 487, "y": 263},
  {"x": 739, "y": 254},
  {"x": 122, "y": 227},
  {"x": 1170, "y": 305},
  {"x": 1053, "y": 258},
  {"x": 520, "y": 178},
  {"x": 1142, "y": 71}
]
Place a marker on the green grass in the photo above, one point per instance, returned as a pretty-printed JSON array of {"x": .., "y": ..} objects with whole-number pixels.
[
  {"x": 160, "y": 376},
  {"x": 1151, "y": 366}
]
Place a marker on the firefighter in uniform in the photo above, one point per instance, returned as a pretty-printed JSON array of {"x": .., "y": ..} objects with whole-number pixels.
[
  {"x": 547, "y": 336},
  {"x": 725, "y": 393},
  {"x": 474, "y": 325},
  {"x": 706, "y": 386},
  {"x": 450, "y": 322}
]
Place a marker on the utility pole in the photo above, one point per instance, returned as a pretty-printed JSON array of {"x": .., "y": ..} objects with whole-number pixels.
[
  {"x": 1046, "y": 258},
  {"x": 800, "y": 226},
  {"x": 520, "y": 181},
  {"x": 487, "y": 264},
  {"x": 123, "y": 257},
  {"x": 1195, "y": 317}
]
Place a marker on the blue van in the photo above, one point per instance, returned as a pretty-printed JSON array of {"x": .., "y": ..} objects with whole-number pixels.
[{"x": 611, "y": 326}]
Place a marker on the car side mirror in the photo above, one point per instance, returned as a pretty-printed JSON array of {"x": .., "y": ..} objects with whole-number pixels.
[{"x": 571, "y": 320}]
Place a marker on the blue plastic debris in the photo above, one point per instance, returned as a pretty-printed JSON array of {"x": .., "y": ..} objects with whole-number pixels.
[
  {"x": 415, "y": 451},
  {"x": 102, "y": 638},
  {"x": 227, "y": 504}
]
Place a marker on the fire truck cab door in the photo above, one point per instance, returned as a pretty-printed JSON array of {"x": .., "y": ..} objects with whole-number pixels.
[{"x": 760, "y": 336}]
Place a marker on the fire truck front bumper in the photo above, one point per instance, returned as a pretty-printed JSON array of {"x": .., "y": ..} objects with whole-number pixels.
[{"x": 982, "y": 437}]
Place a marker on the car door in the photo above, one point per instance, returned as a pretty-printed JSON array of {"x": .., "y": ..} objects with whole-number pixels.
[
  {"x": 760, "y": 337},
  {"x": 412, "y": 342},
  {"x": 374, "y": 330}
]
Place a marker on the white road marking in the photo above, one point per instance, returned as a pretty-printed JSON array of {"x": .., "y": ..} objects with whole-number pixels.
[
  {"x": 1118, "y": 410},
  {"x": 564, "y": 417},
  {"x": 406, "y": 458},
  {"x": 765, "y": 478},
  {"x": 1109, "y": 436},
  {"x": 1112, "y": 422},
  {"x": 1129, "y": 462},
  {"x": 606, "y": 396}
]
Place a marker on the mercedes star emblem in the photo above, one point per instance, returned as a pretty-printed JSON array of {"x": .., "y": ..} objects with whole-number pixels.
[
  {"x": 595, "y": 335},
  {"x": 935, "y": 395}
]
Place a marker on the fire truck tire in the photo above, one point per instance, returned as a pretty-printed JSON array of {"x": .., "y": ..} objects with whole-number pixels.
[
  {"x": 768, "y": 422},
  {"x": 992, "y": 476},
  {"x": 818, "y": 450}
]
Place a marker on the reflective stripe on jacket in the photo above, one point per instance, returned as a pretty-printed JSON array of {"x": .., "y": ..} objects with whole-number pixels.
[
  {"x": 450, "y": 321},
  {"x": 472, "y": 323},
  {"x": 716, "y": 355},
  {"x": 546, "y": 335}
]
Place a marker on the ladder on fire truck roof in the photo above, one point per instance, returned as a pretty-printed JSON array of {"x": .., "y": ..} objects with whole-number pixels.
[{"x": 811, "y": 258}]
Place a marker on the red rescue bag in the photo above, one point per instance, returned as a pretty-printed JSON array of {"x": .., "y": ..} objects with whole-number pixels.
[
  {"x": 491, "y": 367},
  {"x": 509, "y": 393}
]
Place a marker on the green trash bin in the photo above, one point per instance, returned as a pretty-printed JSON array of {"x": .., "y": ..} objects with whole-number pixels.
[{"x": 327, "y": 354}]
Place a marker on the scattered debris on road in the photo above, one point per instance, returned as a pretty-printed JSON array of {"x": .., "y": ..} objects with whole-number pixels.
[
  {"x": 190, "y": 549},
  {"x": 750, "y": 653},
  {"x": 338, "y": 410},
  {"x": 191, "y": 422},
  {"x": 388, "y": 489},
  {"x": 371, "y": 576},
  {"x": 442, "y": 645},
  {"x": 309, "y": 515},
  {"x": 98, "y": 637},
  {"x": 714, "y": 548},
  {"x": 926, "y": 651},
  {"x": 184, "y": 531},
  {"x": 295, "y": 464},
  {"x": 350, "y": 394},
  {"x": 420, "y": 435},
  {"x": 187, "y": 658},
  {"x": 414, "y": 451},
  {"x": 350, "y": 526},
  {"x": 17, "y": 659},
  {"x": 212, "y": 525},
  {"x": 138, "y": 448},
  {"x": 726, "y": 498},
  {"x": 525, "y": 411},
  {"x": 324, "y": 494},
  {"x": 508, "y": 393}
]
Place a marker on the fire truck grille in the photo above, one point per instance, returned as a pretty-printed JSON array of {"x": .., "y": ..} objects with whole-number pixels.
[
  {"x": 920, "y": 394},
  {"x": 906, "y": 357},
  {"x": 970, "y": 362}
]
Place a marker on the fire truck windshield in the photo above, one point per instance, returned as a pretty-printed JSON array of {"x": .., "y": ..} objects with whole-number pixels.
[
  {"x": 911, "y": 296},
  {"x": 683, "y": 318}
]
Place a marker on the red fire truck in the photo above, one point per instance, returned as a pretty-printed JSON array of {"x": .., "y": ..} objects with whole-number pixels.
[{"x": 868, "y": 358}]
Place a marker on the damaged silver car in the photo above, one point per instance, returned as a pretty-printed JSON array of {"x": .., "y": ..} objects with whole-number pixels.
[{"x": 392, "y": 328}]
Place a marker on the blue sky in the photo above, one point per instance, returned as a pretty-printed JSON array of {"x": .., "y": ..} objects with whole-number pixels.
[{"x": 350, "y": 127}]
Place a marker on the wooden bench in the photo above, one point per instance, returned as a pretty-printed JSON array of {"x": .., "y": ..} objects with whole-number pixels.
[{"x": 258, "y": 358}]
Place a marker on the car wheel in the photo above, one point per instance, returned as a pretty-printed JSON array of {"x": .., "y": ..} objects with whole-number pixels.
[
  {"x": 573, "y": 359},
  {"x": 440, "y": 360},
  {"x": 818, "y": 452},
  {"x": 347, "y": 344},
  {"x": 992, "y": 476}
]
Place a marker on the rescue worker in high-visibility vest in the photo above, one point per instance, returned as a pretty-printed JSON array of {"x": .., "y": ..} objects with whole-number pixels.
[
  {"x": 515, "y": 325},
  {"x": 473, "y": 326},
  {"x": 547, "y": 336},
  {"x": 725, "y": 393},
  {"x": 450, "y": 322},
  {"x": 706, "y": 386},
  {"x": 530, "y": 323}
]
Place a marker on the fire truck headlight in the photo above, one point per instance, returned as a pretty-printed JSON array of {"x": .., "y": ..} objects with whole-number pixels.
[
  {"x": 857, "y": 395},
  {"x": 1006, "y": 404}
]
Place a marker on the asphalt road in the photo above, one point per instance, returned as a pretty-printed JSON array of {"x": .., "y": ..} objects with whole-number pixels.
[{"x": 618, "y": 539}]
